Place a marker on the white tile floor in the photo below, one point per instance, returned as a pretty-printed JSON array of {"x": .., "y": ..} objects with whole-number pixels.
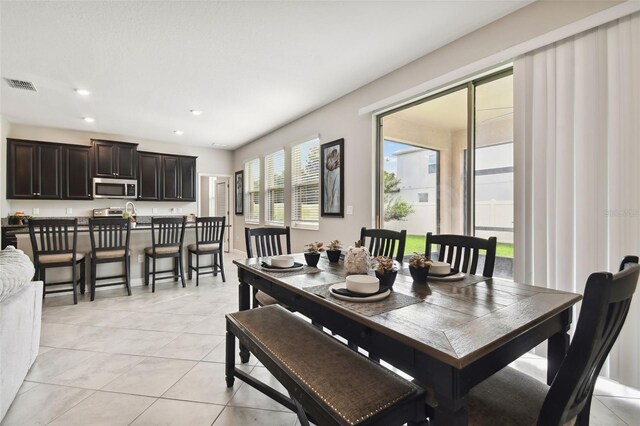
[{"x": 158, "y": 359}]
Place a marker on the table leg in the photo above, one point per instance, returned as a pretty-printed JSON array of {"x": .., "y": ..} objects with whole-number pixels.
[
  {"x": 450, "y": 413},
  {"x": 243, "y": 305},
  {"x": 557, "y": 347}
]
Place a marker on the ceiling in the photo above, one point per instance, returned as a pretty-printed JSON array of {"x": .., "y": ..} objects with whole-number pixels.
[{"x": 251, "y": 67}]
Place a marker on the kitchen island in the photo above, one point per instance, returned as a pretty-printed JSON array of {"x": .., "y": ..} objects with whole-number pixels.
[{"x": 140, "y": 239}]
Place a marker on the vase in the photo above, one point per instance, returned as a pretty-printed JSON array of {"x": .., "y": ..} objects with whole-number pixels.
[
  {"x": 387, "y": 279},
  {"x": 333, "y": 255},
  {"x": 357, "y": 260},
  {"x": 419, "y": 275},
  {"x": 312, "y": 258}
]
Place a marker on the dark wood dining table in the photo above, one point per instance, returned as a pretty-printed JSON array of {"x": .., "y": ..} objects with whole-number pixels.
[{"x": 449, "y": 336}]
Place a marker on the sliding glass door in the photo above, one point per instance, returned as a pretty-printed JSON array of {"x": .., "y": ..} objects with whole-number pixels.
[{"x": 423, "y": 175}]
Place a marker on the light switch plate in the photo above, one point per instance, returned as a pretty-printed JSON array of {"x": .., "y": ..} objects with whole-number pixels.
[
  {"x": 155, "y": 210},
  {"x": 35, "y": 210},
  {"x": 349, "y": 209},
  {"x": 69, "y": 210},
  {"x": 141, "y": 258}
]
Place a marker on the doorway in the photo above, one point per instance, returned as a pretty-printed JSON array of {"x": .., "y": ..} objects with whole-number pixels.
[{"x": 213, "y": 200}]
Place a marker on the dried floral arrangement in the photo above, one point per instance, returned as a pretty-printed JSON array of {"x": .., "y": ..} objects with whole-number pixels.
[
  {"x": 315, "y": 247},
  {"x": 334, "y": 245},
  {"x": 420, "y": 261}
]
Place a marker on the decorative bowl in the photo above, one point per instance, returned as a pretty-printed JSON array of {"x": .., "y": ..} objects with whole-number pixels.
[
  {"x": 440, "y": 268},
  {"x": 365, "y": 284},
  {"x": 282, "y": 261}
]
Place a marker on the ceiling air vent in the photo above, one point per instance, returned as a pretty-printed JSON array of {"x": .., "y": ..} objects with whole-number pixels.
[{"x": 19, "y": 84}]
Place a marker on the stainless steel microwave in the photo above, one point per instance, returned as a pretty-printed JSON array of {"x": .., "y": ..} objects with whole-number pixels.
[{"x": 115, "y": 188}]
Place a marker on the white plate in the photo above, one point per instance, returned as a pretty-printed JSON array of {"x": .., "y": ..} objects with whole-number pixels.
[
  {"x": 373, "y": 298},
  {"x": 292, "y": 269},
  {"x": 455, "y": 277}
]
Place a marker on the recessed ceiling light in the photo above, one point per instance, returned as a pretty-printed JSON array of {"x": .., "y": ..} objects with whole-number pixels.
[
  {"x": 89, "y": 119},
  {"x": 82, "y": 92},
  {"x": 195, "y": 112},
  {"x": 178, "y": 132}
]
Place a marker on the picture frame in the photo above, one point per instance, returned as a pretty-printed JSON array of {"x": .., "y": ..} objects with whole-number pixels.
[
  {"x": 332, "y": 179},
  {"x": 239, "y": 197}
]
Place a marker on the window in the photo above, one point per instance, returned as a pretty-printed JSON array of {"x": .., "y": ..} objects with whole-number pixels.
[
  {"x": 433, "y": 163},
  {"x": 274, "y": 188},
  {"x": 425, "y": 183},
  {"x": 305, "y": 184},
  {"x": 252, "y": 191}
]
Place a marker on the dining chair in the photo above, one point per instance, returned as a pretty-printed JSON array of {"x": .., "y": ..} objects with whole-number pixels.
[
  {"x": 463, "y": 251},
  {"x": 267, "y": 242},
  {"x": 110, "y": 244},
  {"x": 384, "y": 242},
  {"x": 209, "y": 238},
  {"x": 167, "y": 236},
  {"x": 514, "y": 398},
  {"x": 54, "y": 243}
]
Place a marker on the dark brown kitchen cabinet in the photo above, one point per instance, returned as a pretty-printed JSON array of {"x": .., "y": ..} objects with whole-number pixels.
[
  {"x": 115, "y": 159},
  {"x": 149, "y": 167},
  {"x": 178, "y": 178},
  {"x": 33, "y": 170},
  {"x": 76, "y": 166}
]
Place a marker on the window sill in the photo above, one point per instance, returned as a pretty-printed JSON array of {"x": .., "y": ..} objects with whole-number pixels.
[
  {"x": 305, "y": 225},
  {"x": 278, "y": 224}
]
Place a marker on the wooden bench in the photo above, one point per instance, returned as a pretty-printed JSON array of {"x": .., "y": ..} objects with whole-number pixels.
[{"x": 327, "y": 382}]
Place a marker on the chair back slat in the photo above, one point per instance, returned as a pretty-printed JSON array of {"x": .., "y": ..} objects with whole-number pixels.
[
  {"x": 210, "y": 230},
  {"x": 167, "y": 231},
  {"x": 267, "y": 241},
  {"x": 383, "y": 242},
  {"x": 108, "y": 234},
  {"x": 606, "y": 302},
  {"x": 463, "y": 251},
  {"x": 53, "y": 236}
]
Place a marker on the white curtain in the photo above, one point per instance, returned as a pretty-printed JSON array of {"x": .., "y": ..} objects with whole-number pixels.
[{"x": 577, "y": 167}]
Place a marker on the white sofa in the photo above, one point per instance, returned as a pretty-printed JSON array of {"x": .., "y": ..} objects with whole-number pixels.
[{"x": 20, "y": 316}]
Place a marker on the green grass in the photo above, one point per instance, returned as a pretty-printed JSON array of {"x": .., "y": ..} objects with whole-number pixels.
[{"x": 415, "y": 244}]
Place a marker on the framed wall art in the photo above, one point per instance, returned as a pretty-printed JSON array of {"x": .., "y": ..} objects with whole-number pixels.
[
  {"x": 239, "y": 198},
  {"x": 332, "y": 178}
]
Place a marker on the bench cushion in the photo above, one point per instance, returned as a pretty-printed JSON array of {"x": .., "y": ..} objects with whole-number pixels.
[{"x": 348, "y": 384}]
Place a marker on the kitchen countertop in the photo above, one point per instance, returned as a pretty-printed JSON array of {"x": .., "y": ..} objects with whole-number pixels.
[{"x": 23, "y": 229}]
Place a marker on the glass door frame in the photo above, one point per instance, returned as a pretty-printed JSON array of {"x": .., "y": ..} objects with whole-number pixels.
[{"x": 469, "y": 195}]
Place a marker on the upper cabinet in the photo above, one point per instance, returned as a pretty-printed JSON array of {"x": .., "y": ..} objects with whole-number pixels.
[
  {"x": 34, "y": 170},
  {"x": 178, "y": 178},
  {"x": 76, "y": 167},
  {"x": 115, "y": 159},
  {"x": 149, "y": 166},
  {"x": 166, "y": 177},
  {"x": 47, "y": 170}
]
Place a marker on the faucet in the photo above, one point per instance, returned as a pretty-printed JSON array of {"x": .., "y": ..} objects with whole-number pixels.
[{"x": 133, "y": 208}]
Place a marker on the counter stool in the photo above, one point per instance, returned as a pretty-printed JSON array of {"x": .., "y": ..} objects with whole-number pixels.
[
  {"x": 54, "y": 243},
  {"x": 167, "y": 236},
  {"x": 209, "y": 236},
  {"x": 109, "y": 244}
]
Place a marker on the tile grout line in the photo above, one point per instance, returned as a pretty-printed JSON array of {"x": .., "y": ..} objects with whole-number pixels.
[{"x": 612, "y": 412}]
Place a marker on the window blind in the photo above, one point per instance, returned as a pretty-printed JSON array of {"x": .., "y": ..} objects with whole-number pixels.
[
  {"x": 252, "y": 191},
  {"x": 274, "y": 188},
  {"x": 305, "y": 184}
]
